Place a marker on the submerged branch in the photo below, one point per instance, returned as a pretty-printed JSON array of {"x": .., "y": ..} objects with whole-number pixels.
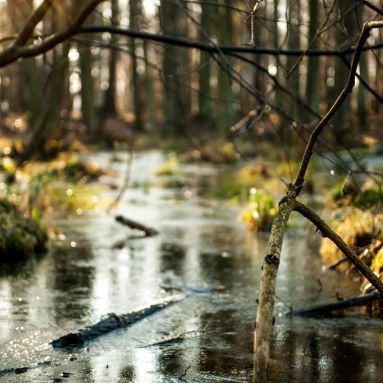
[
  {"x": 112, "y": 322},
  {"x": 327, "y": 308},
  {"x": 149, "y": 232}
]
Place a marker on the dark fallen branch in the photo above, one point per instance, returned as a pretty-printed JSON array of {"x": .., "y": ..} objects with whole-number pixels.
[
  {"x": 326, "y": 309},
  {"x": 338, "y": 262},
  {"x": 149, "y": 232},
  {"x": 171, "y": 341},
  {"x": 112, "y": 322}
]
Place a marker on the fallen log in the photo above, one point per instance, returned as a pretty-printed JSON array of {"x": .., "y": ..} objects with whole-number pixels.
[
  {"x": 148, "y": 231},
  {"x": 326, "y": 309},
  {"x": 112, "y": 322}
]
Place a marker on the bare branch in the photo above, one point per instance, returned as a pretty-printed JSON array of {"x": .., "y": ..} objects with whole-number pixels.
[
  {"x": 337, "y": 103},
  {"x": 372, "y": 6},
  {"x": 30, "y": 25},
  {"x": 327, "y": 232},
  {"x": 220, "y": 49},
  {"x": 17, "y": 51}
]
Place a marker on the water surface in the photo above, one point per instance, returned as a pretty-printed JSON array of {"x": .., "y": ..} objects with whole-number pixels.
[{"x": 202, "y": 251}]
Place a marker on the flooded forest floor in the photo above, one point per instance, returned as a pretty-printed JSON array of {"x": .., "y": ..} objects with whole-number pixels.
[{"x": 98, "y": 266}]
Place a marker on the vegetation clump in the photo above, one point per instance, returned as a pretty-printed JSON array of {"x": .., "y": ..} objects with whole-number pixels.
[
  {"x": 260, "y": 210},
  {"x": 169, "y": 167},
  {"x": 217, "y": 152},
  {"x": 369, "y": 194},
  {"x": 363, "y": 232},
  {"x": 357, "y": 228},
  {"x": 20, "y": 236}
]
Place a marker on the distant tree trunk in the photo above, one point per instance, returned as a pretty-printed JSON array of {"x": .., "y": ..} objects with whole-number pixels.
[
  {"x": 109, "y": 108},
  {"x": 88, "y": 103},
  {"x": 150, "y": 111},
  {"x": 135, "y": 10},
  {"x": 32, "y": 89},
  {"x": 176, "y": 99},
  {"x": 204, "y": 96},
  {"x": 260, "y": 40},
  {"x": 362, "y": 92},
  {"x": 293, "y": 42},
  {"x": 276, "y": 42},
  {"x": 344, "y": 38},
  {"x": 49, "y": 120},
  {"x": 30, "y": 74},
  {"x": 313, "y": 78},
  {"x": 379, "y": 74},
  {"x": 226, "y": 115}
]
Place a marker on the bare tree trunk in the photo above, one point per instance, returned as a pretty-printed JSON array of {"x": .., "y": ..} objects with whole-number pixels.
[
  {"x": 88, "y": 102},
  {"x": 109, "y": 108},
  {"x": 204, "y": 96},
  {"x": 134, "y": 15},
  {"x": 150, "y": 109},
  {"x": 57, "y": 86},
  {"x": 176, "y": 100},
  {"x": 225, "y": 113},
  {"x": 345, "y": 33},
  {"x": 276, "y": 42},
  {"x": 265, "y": 309},
  {"x": 293, "y": 42},
  {"x": 313, "y": 78}
]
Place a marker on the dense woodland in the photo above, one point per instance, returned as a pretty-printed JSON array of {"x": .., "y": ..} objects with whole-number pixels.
[
  {"x": 300, "y": 62},
  {"x": 134, "y": 134}
]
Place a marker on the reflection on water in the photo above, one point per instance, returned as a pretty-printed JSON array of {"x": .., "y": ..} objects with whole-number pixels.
[{"x": 203, "y": 251}]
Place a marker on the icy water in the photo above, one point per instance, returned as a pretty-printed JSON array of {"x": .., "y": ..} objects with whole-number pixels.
[{"x": 202, "y": 251}]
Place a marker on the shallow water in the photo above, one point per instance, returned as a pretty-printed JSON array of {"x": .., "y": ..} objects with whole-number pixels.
[{"x": 203, "y": 251}]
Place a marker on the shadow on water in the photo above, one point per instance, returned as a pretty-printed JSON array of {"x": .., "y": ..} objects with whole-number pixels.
[{"x": 202, "y": 251}]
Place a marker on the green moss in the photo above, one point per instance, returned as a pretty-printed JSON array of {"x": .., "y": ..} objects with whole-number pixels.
[
  {"x": 20, "y": 237},
  {"x": 369, "y": 195}
]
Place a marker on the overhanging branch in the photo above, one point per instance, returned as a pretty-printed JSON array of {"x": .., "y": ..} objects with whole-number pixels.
[{"x": 216, "y": 48}]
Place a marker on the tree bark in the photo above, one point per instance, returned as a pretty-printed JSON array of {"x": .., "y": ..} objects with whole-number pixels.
[{"x": 264, "y": 320}]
